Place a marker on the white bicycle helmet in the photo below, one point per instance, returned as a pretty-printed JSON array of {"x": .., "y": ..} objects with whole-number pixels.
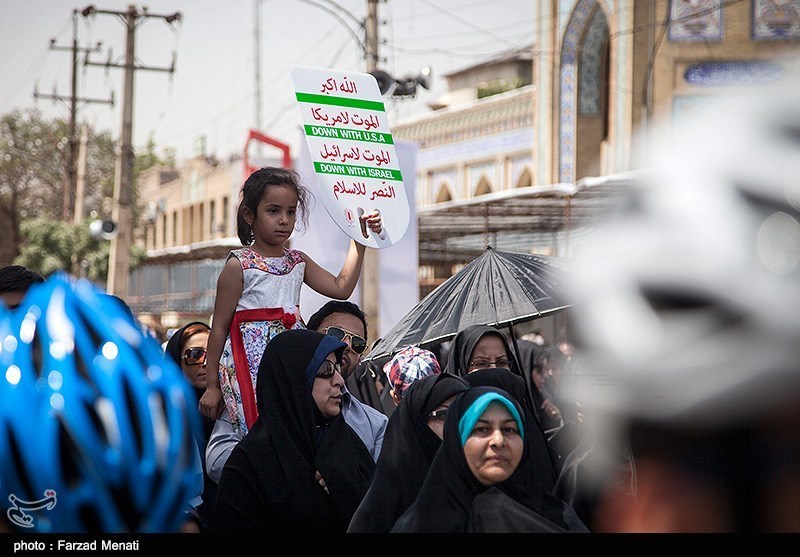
[{"x": 686, "y": 300}]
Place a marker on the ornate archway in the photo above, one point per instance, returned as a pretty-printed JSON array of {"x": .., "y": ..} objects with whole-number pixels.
[{"x": 583, "y": 101}]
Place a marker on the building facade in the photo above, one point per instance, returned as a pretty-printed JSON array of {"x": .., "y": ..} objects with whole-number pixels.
[
  {"x": 604, "y": 75},
  {"x": 520, "y": 149}
]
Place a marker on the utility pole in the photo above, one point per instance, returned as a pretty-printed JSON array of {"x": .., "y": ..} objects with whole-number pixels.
[
  {"x": 370, "y": 288},
  {"x": 371, "y": 36},
  {"x": 119, "y": 253},
  {"x": 257, "y": 73},
  {"x": 71, "y": 174},
  {"x": 83, "y": 154}
]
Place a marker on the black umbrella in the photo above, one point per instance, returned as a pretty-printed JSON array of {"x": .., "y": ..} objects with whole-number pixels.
[{"x": 498, "y": 288}]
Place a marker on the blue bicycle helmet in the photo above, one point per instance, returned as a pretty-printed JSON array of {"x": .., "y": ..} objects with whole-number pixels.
[{"x": 96, "y": 427}]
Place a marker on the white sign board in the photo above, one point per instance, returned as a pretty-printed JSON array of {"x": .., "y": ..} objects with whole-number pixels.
[{"x": 352, "y": 151}]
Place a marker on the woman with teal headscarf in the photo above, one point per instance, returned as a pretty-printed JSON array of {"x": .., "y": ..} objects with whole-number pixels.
[{"x": 481, "y": 480}]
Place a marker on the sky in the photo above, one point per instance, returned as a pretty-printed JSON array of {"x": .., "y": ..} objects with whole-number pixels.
[{"x": 212, "y": 93}]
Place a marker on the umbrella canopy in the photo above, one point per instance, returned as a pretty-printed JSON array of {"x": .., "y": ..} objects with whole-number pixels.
[{"x": 497, "y": 288}]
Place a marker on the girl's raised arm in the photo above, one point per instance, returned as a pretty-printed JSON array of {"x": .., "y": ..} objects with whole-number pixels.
[
  {"x": 340, "y": 287},
  {"x": 229, "y": 290}
]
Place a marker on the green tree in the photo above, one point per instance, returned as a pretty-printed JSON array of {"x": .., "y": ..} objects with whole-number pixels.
[
  {"x": 33, "y": 154},
  {"x": 32, "y": 158},
  {"x": 68, "y": 246}
]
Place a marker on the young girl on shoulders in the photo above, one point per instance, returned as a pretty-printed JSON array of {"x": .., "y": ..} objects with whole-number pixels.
[{"x": 258, "y": 290}]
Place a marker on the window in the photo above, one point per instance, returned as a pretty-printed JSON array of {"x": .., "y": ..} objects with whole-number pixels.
[
  {"x": 225, "y": 214},
  {"x": 212, "y": 221}
]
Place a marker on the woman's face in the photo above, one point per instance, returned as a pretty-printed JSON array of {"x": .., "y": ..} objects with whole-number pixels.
[
  {"x": 195, "y": 373},
  {"x": 327, "y": 392},
  {"x": 437, "y": 417},
  {"x": 494, "y": 448},
  {"x": 539, "y": 374},
  {"x": 490, "y": 351}
]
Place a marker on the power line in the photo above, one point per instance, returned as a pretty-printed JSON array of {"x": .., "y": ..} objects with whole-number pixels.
[{"x": 72, "y": 99}]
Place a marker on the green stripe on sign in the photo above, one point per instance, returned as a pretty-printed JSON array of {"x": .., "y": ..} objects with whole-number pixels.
[
  {"x": 339, "y": 101},
  {"x": 345, "y": 133},
  {"x": 357, "y": 171}
]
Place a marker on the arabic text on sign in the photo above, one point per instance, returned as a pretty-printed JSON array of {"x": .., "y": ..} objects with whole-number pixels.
[
  {"x": 331, "y": 84},
  {"x": 334, "y": 151},
  {"x": 344, "y": 117},
  {"x": 360, "y": 188}
]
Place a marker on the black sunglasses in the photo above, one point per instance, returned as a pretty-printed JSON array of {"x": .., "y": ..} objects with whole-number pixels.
[
  {"x": 439, "y": 414},
  {"x": 194, "y": 356},
  {"x": 328, "y": 369},
  {"x": 357, "y": 343}
]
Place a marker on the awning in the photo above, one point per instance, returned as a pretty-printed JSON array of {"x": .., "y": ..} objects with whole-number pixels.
[{"x": 459, "y": 231}]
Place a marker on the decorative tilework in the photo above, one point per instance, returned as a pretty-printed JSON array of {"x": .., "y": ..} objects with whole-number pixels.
[
  {"x": 776, "y": 19},
  {"x": 695, "y": 20},
  {"x": 594, "y": 47},
  {"x": 569, "y": 50},
  {"x": 720, "y": 74}
]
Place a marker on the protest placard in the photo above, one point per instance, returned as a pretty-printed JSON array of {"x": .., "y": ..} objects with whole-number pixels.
[{"x": 352, "y": 151}]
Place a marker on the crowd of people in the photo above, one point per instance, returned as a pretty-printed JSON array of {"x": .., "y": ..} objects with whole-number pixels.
[
  {"x": 670, "y": 406},
  {"x": 316, "y": 458},
  {"x": 289, "y": 424}
]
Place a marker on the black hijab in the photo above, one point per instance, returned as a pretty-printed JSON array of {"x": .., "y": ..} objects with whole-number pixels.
[
  {"x": 173, "y": 348},
  {"x": 463, "y": 344},
  {"x": 453, "y": 500},
  {"x": 173, "y": 352},
  {"x": 409, "y": 447},
  {"x": 268, "y": 482}
]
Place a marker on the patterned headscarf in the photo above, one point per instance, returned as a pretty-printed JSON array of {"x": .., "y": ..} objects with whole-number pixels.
[{"x": 408, "y": 365}]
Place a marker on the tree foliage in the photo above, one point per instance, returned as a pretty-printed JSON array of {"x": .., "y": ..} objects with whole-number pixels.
[
  {"x": 33, "y": 158},
  {"x": 32, "y": 152},
  {"x": 68, "y": 246}
]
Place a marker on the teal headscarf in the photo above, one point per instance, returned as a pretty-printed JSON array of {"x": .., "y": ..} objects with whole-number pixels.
[{"x": 477, "y": 408}]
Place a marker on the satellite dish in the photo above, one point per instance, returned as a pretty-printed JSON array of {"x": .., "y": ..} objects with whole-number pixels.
[{"x": 385, "y": 81}]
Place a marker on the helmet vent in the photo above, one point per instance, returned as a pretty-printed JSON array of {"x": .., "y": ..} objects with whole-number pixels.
[
  {"x": 19, "y": 467},
  {"x": 125, "y": 504},
  {"x": 133, "y": 416},
  {"x": 83, "y": 362},
  {"x": 69, "y": 456},
  {"x": 90, "y": 518},
  {"x": 37, "y": 354}
]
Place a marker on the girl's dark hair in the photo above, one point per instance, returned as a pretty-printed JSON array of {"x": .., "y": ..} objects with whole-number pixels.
[{"x": 257, "y": 185}]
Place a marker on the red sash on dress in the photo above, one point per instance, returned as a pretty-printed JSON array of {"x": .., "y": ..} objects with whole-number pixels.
[{"x": 240, "y": 355}]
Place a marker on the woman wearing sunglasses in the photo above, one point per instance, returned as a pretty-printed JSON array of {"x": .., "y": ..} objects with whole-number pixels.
[
  {"x": 187, "y": 348},
  {"x": 345, "y": 321},
  {"x": 301, "y": 468}
]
